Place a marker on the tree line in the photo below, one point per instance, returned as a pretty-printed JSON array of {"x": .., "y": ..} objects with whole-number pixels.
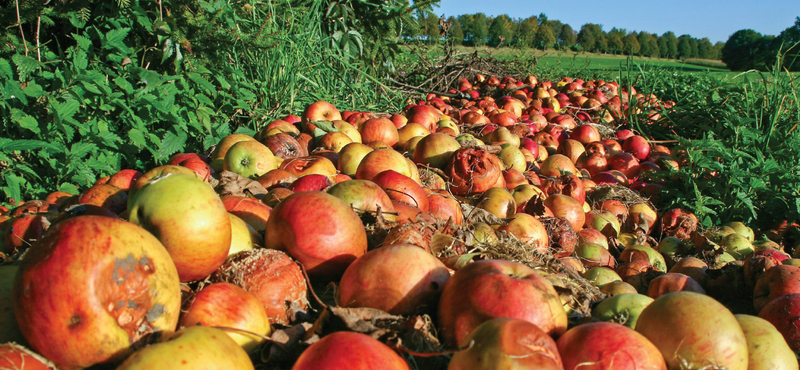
[
  {"x": 543, "y": 33},
  {"x": 748, "y": 49}
]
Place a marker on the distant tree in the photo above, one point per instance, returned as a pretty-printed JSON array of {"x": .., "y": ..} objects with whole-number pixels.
[
  {"x": 467, "y": 25},
  {"x": 544, "y": 37},
  {"x": 654, "y": 47},
  {"x": 501, "y": 30},
  {"x": 526, "y": 31},
  {"x": 741, "y": 50},
  {"x": 432, "y": 29},
  {"x": 718, "y": 50},
  {"x": 480, "y": 28},
  {"x": 684, "y": 47},
  {"x": 790, "y": 40},
  {"x": 456, "y": 34},
  {"x": 542, "y": 18},
  {"x": 567, "y": 36},
  {"x": 704, "y": 48},
  {"x": 586, "y": 38},
  {"x": 644, "y": 43},
  {"x": 602, "y": 42},
  {"x": 693, "y": 43},
  {"x": 615, "y": 44},
  {"x": 630, "y": 44},
  {"x": 670, "y": 50}
]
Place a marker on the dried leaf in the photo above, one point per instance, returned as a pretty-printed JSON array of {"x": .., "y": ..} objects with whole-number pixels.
[{"x": 234, "y": 184}]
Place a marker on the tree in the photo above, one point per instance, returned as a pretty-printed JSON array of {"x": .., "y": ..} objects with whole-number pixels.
[
  {"x": 480, "y": 28},
  {"x": 567, "y": 36},
  {"x": 630, "y": 44},
  {"x": 744, "y": 50},
  {"x": 544, "y": 37},
  {"x": 615, "y": 44},
  {"x": 456, "y": 34},
  {"x": 790, "y": 39},
  {"x": 467, "y": 25},
  {"x": 670, "y": 49},
  {"x": 684, "y": 47},
  {"x": 654, "y": 48},
  {"x": 526, "y": 31},
  {"x": 704, "y": 48},
  {"x": 431, "y": 28},
  {"x": 644, "y": 43},
  {"x": 501, "y": 30},
  {"x": 586, "y": 38}
]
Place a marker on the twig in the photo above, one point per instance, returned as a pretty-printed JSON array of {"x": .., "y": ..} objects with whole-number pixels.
[
  {"x": 419, "y": 89},
  {"x": 21, "y": 32}
]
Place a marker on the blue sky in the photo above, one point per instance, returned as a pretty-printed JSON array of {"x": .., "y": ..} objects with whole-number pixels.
[{"x": 714, "y": 19}]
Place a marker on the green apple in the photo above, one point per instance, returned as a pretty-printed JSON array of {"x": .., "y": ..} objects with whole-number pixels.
[
  {"x": 189, "y": 218},
  {"x": 249, "y": 158}
]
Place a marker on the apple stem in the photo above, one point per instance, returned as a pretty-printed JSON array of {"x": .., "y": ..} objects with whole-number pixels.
[{"x": 308, "y": 284}]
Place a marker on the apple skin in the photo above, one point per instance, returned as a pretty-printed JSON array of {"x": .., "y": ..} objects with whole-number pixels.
[
  {"x": 402, "y": 188},
  {"x": 629, "y": 305},
  {"x": 243, "y": 236},
  {"x": 319, "y": 230},
  {"x": 606, "y": 345},
  {"x": 349, "y": 350},
  {"x": 364, "y": 196},
  {"x": 249, "y": 209},
  {"x": 380, "y": 160},
  {"x": 158, "y": 171},
  {"x": 766, "y": 347},
  {"x": 487, "y": 289},
  {"x": 107, "y": 196},
  {"x": 123, "y": 179},
  {"x": 194, "y": 347},
  {"x": 84, "y": 323},
  {"x": 269, "y": 275},
  {"x": 225, "y": 304},
  {"x": 16, "y": 357},
  {"x": 774, "y": 283},
  {"x": 401, "y": 279},
  {"x": 503, "y": 343},
  {"x": 249, "y": 159},
  {"x": 435, "y": 150},
  {"x": 218, "y": 155},
  {"x": 188, "y": 217},
  {"x": 350, "y": 157},
  {"x": 320, "y": 111}
]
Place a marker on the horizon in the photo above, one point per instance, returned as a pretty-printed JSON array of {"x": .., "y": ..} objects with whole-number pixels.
[{"x": 770, "y": 17}]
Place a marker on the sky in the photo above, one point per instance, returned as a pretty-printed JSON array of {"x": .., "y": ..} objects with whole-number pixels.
[{"x": 714, "y": 19}]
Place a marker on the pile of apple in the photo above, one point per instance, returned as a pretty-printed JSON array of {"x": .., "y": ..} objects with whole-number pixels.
[{"x": 206, "y": 262}]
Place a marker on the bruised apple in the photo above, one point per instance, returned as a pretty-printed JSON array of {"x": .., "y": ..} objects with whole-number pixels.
[
  {"x": 401, "y": 279},
  {"x": 107, "y": 285},
  {"x": 504, "y": 343},
  {"x": 606, "y": 345},
  {"x": 189, "y": 218},
  {"x": 319, "y": 230},
  {"x": 487, "y": 289}
]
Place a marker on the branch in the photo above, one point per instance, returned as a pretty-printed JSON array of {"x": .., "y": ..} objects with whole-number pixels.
[{"x": 419, "y": 89}]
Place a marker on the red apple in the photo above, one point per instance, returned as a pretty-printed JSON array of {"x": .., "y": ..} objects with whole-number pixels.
[
  {"x": 402, "y": 188},
  {"x": 320, "y": 111},
  {"x": 606, "y": 345},
  {"x": 364, "y": 196},
  {"x": 249, "y": 209},
  {"x": 99, "y": 304},
  {"x": 319, "y": 230},
  {"x": 349, "y": 350},
  {"x": 488, "y": 289},
  {"x": 401, "y": 279}
]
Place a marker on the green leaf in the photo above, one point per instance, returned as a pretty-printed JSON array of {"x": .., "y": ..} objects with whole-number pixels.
[
  {"x": 25, "y": 121},
  {"x": 137, "y": 137},
  {"x": 69, "y": 188},
  {"x": 5, "y": 69},
  {"x": 172, "y": 143},
  {"x": 13, "y": 188},
  {"x": 25, "y": 65},
  {"x": 83, "y": 42},
  {"x": 124, "y": 84},
  {"x": 203, "y": 82},
  {"x": 65, "y": 110},
  {"x": 81, "y": 149},
  {"x": 115, "y": 38},
  {"x": 27, "y": 145}
]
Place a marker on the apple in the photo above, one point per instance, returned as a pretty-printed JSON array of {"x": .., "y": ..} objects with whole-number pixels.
[
  {"x": 21, "y": 231},
  {"x": 402, "y": 188},
  {"x": 124, "y": 179},
  {"x": 474, "y": 170},
  {"x": 379, "y": 129},
  {"x": 311, "y": 182},
  {"x": 284, "y": 146},
  {"x": 243, "y": 236},
  {"x": 334, "y": 141},
  {"x": 774, "y": 283},
  {"x": 193, "y": 347},
  {"x": 276, "y": 178},
  {"x": 350, "y": 157},
  {"x": 106, "y": 196},
  {"x": 156, "y": 172},
  {"x": 318, "y": 229},
  {"x": 320, "y": 111},
  {"x": 380, "y": 160},
  {"x": 607, "y": 345},
  {"x": 17, "y": 357},
  {"x": 694, "y": 330},
  {"x": 673, "y": 282},
  {"x": 218, "y": 155},
  {"x": 445, "y": 208},
  {"x": 435, "y": 150},
  {"x": 766, "y": 347},
  {"x": 272, "y": 277},
  {"x": 313, "y": 164},
  {"x": 624, "y": 308},
  {"x": 364, "y": 197},
  {"x": 503, "y": 343},
  {"x": 189, "y": 219},
  {"x": 401, "y": 279},
  {"x": 249, "y": 209},
  {"x": 227, "y": 305},
  {"x": 99, "y": 304},
  {"x": 487, "y": 289},
  {"x": 349, "y": 350},
  {"x": 249, "y": 158}
]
